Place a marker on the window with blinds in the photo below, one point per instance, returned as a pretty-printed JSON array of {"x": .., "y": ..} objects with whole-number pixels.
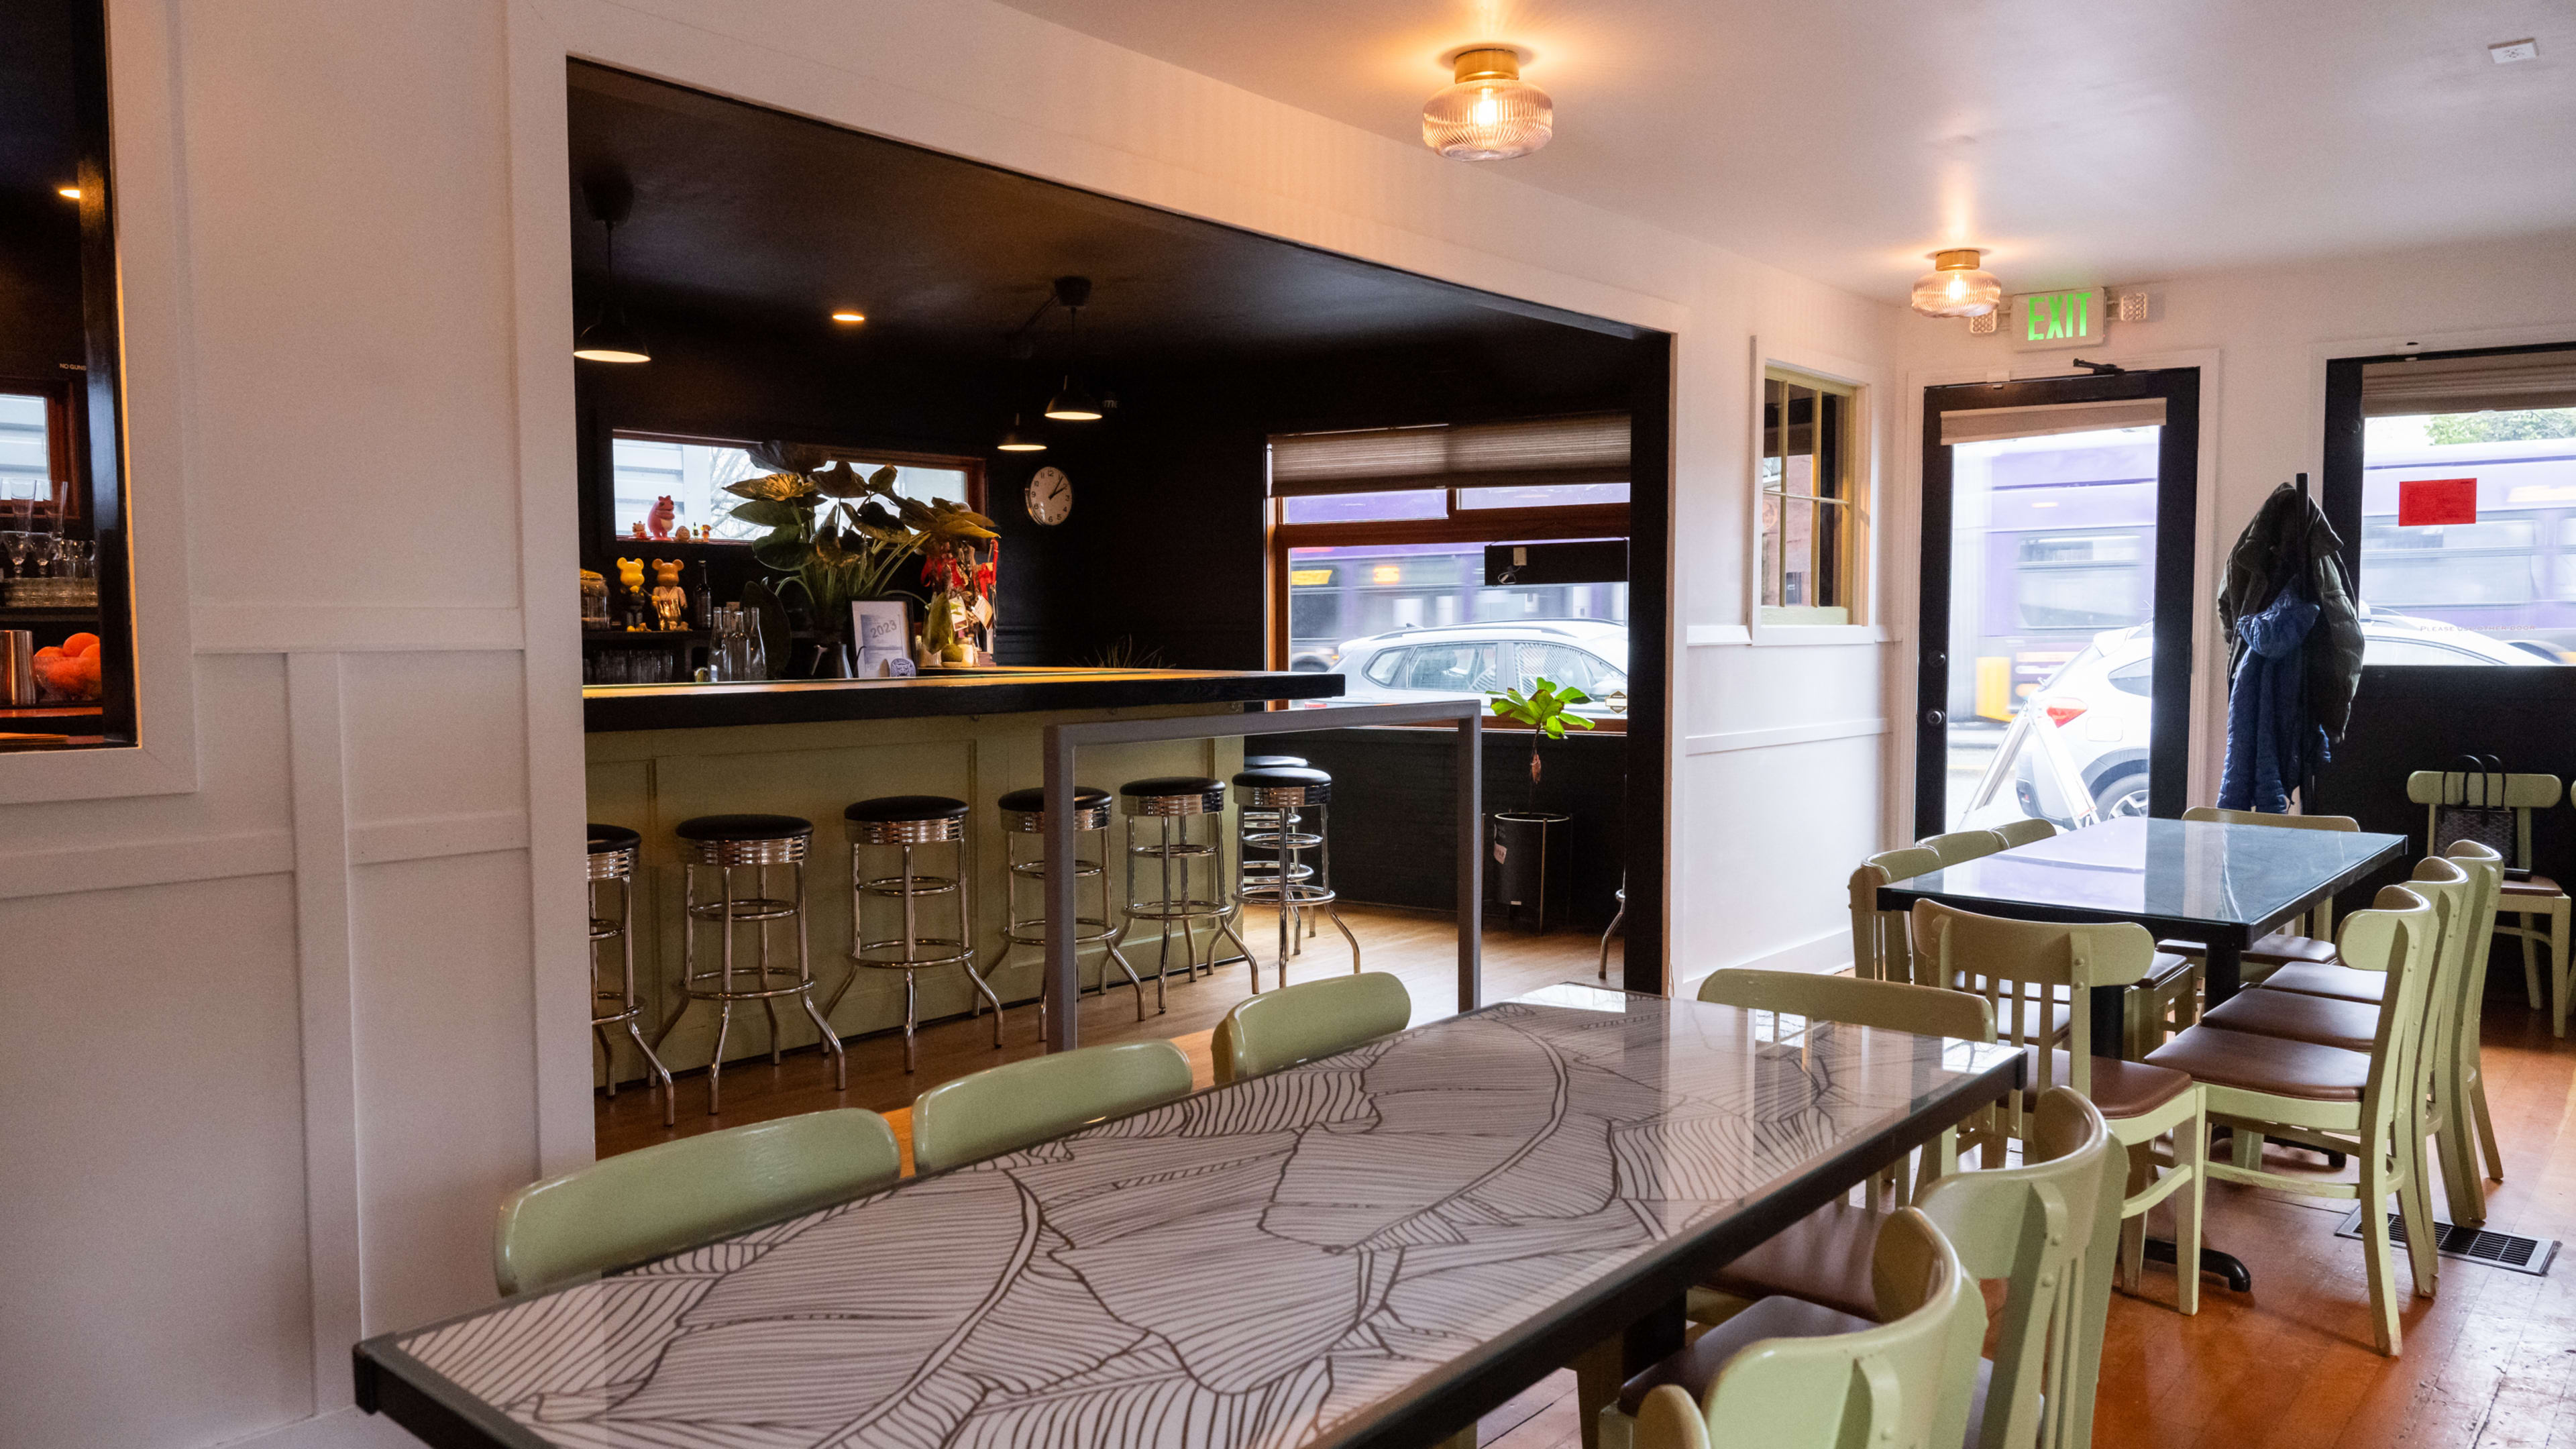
[{"x": 1587, "y": 451}]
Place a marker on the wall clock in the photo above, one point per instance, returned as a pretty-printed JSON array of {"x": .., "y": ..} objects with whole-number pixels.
[{"x": 1050, "y": 495}]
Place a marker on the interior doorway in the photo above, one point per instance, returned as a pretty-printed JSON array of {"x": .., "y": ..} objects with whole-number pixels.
[{"x": 2059, "y": 520}]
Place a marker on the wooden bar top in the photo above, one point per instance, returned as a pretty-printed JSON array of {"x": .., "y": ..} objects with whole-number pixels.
[{"x": 997, "y": 689}]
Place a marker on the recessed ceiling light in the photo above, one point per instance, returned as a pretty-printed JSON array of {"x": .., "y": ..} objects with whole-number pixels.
[
  {"x": 850, "y": 315},
  {"x": 68, "y": 193},
  {"x": 2509, "y": 51}
]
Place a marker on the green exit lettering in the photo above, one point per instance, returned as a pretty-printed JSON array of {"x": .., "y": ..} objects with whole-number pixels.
[{"x": 2057, "y": 316}]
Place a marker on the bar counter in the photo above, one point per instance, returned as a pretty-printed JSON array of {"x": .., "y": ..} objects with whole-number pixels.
[
  {"x": 992, "y": 689},
  {"x": 659, "y": 754}
]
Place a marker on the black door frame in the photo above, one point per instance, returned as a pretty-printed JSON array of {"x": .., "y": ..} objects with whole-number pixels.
[{"x": 2177, "y": 554}]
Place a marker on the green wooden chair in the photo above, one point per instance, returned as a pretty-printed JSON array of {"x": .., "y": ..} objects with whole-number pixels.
[
  {"x": 1955, "y": 846},
  {"x": 2049, "y": 1230},
  {"x": 1312, "y": 1019},
  {"x": 2366, "y": 1105},
  {"x": 2537, "y": 897},
  {"x": 1903, "y": 1383},
  {"x": 2026, "y": 831},
  {"x": 643, "y": 1204},
  {"x": 1879, "y": 948},
  {"x": 2459, "y": 1082},
  {"x": 1004, "y": 1108}
]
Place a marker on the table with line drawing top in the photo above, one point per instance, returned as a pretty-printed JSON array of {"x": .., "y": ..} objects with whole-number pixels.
[{"x": 1362, "y": 1252}]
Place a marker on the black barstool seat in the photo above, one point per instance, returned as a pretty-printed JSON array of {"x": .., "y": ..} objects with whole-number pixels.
[
  {"x": 1163, "y": 785},
  {"x": 1032, "y": 800},
  {"x": 1282, "y": 777},
  {"x": 1271, "y": 762},
  {"x": 744, "y": 827},
  {"x": 894, "y": 809},
  {"x": 609, "y": 839}
]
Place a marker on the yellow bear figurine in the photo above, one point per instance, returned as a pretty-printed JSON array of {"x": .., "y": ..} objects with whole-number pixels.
[{"x": 630, "y": 579}]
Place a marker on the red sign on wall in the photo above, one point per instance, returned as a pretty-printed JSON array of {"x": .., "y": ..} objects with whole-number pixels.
[{"x": 2422, "y": 501}]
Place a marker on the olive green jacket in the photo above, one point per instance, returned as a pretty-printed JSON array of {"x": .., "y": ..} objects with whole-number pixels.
[{"x": 2290, "y": 536}]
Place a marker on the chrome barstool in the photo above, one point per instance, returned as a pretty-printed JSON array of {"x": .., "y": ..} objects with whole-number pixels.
[
  {"x": 613, "y": 849},
  {"x": 1024, "y": 814},
  {"x": 725, "y": 844},
  {"x": 1173, "y": 802},
  {"x": 1249, "y": 865},
  {"x": 905, "y": 823},
  {"x": 1617, "y": 919},
  {"x": 1300, "y": 799}
]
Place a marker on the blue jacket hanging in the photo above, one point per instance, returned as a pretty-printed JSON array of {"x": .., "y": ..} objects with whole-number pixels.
[{"x": 2273, "y": 743}]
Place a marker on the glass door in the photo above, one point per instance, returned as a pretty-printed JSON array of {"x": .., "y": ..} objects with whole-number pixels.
[{"x": 2057, "y": 530}]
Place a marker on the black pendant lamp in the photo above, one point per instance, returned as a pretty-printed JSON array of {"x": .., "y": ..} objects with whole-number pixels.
[
  {"x": 1073, "y": 403},
  {"x": 1018, "y": 439},
  {"x": 610, "y": 337}
]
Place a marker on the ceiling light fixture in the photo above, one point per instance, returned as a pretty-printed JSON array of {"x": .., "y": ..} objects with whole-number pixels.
[
  {"x": 1488, "y": 113},
  {"x": 1073, "y": 402},
  {"x": 68, "y": 193},
  {"x": 1955, "y": 287},
  {"x": 850, "y": 315},
  {"x": 610, "y": 337},
  {"x": 1017, "y": 439}
]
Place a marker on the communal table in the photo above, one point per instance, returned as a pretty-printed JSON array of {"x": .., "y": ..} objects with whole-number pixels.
[
  {"x": 1371, "y": 1249},
  {"x": 2224, "y": 886}
]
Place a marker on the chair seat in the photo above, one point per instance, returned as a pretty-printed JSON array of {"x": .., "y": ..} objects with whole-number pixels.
[
  {"x": 902, "y": 809},
  {"x": 2324, "y": 1020},
  {"x": 1823, "y": 1258},
  {"x": 2344, "y": 983},
  {"x": 609, "y": 839},
  {"x": 2121, "y": 1089},
  {"x": 2281, "y": 948},
  {"x": 744, "y": 827},
  {"x": 2268, "y": 1064},
  {"x": 1694, "y": 1368},
  {"x": 2538, "y": 885}
]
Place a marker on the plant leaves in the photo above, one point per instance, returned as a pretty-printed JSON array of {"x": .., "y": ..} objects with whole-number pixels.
[
  {"x": 839, "y": 481},
  {"x": 788, "y": 457},
  {"x": 770, "y": 513},
  {"x": 786, "y": 555},
  {"x": 882, "y": 480},
  {"x": 775, "y": 487}
]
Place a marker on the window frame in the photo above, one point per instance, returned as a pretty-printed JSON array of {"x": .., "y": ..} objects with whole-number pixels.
[
  {"x": 854, "y": 454},
  {"x": 60, "y": 423},
  {"x": 1852, "y": 548}
]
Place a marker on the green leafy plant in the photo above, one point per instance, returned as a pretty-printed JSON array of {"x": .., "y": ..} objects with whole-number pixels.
[
  {"x": 837, "y": 534},
  {"x": 1544, "y": 710}
]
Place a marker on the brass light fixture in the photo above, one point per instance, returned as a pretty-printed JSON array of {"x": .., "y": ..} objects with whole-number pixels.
[
  {"x": 1956, "y": 287},
  {"x": 1488, "y": 113}
]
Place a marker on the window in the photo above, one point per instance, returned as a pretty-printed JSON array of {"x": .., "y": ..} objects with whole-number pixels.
[
  {"x": 693, "y": 474},
  {"x": 1810, "y": 522},
  {"x": 1384, "y": 531},
  {"x": 2491, "y": 439}
]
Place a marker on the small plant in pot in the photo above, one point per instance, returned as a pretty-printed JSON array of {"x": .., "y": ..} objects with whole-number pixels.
[
  {"x": 1523, "y": 841},
  {"x": 1545, "y": 710}
]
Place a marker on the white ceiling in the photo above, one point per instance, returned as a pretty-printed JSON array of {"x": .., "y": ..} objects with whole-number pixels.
[{"x": 2083, "y": 141}]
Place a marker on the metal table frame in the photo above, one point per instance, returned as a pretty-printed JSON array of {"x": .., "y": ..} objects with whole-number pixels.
[{"x": 1063, "y": 740}]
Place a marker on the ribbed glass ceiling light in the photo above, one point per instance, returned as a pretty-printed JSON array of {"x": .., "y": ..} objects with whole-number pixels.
[
  {"x": 1955, "y": 287},
  {"x": 1489, "y": 113}
]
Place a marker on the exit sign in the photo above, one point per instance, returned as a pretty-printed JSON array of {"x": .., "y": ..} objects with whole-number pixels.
[{"x": 2043, "y": 320}]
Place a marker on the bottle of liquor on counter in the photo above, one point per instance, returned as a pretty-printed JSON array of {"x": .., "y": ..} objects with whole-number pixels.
[{"x": 702, "y": 601}]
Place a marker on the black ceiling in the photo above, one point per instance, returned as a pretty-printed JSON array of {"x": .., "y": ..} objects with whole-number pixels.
[
  {"x": 758, "y": 216},
  {"x": 38, "y": 145}
]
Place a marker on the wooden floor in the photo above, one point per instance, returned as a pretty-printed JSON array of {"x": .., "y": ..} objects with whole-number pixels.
[
  {"x": 2489, "y": 1363},
  {"x": 1423, "y": 950}
]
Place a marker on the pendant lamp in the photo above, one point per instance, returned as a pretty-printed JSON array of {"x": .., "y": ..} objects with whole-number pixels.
[
  {"x": 610, "y": 337},
  {"x": 1019, "y": 440},
  {"x": 1073, "y": 403}
]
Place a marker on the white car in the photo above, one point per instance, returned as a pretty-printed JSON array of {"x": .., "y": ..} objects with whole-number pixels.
[
  {"x": 2078, "y": 745},
  {"x": 1470, "y": 659}
]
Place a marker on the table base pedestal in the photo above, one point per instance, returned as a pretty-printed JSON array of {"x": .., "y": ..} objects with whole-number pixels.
[{"x": 2225, "y": 1265}]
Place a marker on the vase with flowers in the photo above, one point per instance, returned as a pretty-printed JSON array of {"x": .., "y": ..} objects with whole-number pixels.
[{"x": 959, "y": 629}]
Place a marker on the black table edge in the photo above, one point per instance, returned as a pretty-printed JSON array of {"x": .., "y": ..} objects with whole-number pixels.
[{"x": 388, "y": 1380}]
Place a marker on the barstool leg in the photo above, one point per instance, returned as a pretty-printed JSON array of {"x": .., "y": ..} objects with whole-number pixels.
[
  {"x": 688, "y": 951},
  {"x": 656, "y": 1074},
  {"x": 1324, "y": 878},
  {"x": 805, "y": 975},
  {"x": 966, "y": 947},
  {"x": 911, "y": 951},
  {"x": 1111, "y": 943},
  {"x": 724, "y": 1009},
  {"x": 768, "y": 1004}
]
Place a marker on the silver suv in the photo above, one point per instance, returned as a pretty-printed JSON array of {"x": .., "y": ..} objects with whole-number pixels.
[{"x": 1488, "y": 658}]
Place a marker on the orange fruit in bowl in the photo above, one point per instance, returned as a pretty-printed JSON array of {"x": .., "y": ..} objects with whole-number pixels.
[{"x": 80, "y": 644}]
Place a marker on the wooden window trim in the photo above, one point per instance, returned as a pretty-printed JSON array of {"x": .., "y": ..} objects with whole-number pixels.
[
  {"x": 61, "y": 457},
  {"x": 972, "y": 467}
]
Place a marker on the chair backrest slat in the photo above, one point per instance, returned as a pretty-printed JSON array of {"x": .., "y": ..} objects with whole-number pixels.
[
  {"x": 1960, "y": 845},
  {"x": 2214, "y": 815},
  {"x": 2025, "y": 963},
  {"x": 1879, "y": 948},
  {"x": 2028, "y": 830},
  {"x": 1004, "y": 1108},
  {"x": 2400, "y": 935},
  {"x": 1885, "y": 1005},
  {"x": 2522, "y": 793},
  {"x": 623, "y": 1210}
]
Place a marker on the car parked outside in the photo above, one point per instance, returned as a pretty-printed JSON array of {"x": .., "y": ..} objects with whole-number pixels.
[
  {"x": 1488, "y": 658},
  {"x": 2077, "y": 748}
]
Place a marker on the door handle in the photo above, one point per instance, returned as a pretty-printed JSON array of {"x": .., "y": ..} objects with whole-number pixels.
[{"x": 1932, "y": 717}]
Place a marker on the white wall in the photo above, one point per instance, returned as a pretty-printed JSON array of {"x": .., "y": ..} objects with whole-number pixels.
[
  {"x": 286, "y": 1016},
  {"x": 2262, "y": 338}
]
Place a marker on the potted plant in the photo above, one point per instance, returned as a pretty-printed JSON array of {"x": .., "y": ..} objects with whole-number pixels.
[
  {"x": 836, "y": 534},
  {"x": 1527, "y": 845}
]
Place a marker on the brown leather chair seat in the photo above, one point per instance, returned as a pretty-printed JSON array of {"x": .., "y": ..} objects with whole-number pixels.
[
  {"x": 2272, "y": 1064},
  {"x": 1697, "y": 1366},
  {"x": 2120, "y": 1089},
  {"x": 2281, "y": 948},
  {"x": 2538, "y": 885},
  {"x": 1823, "y": 1258},
  {"x": 2344, "y": 983},
  {"x": 2324, "y": 1020}
]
